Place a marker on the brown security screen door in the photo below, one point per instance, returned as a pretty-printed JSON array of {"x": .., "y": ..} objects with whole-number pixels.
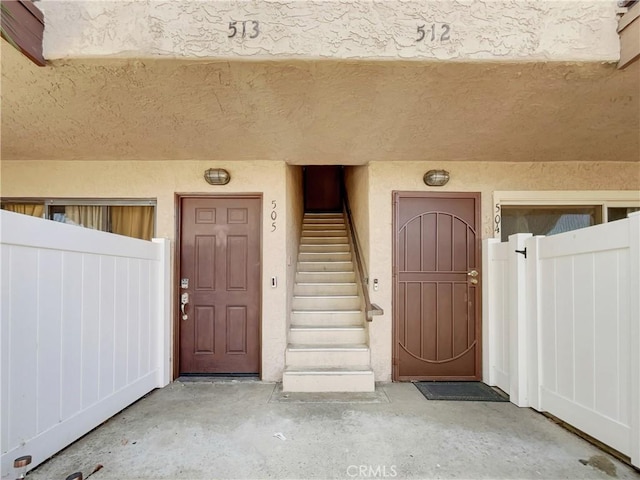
[
  {"x": 220, "y": 261},
  {"x": 436, "y": 286}
]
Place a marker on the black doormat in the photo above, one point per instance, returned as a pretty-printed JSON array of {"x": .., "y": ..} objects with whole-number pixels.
[{"x": 460, "y": 391}]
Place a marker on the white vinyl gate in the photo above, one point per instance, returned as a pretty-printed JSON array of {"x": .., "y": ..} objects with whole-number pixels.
[
  {"x": 562, "y": 327},
  {"x": 84, "y": 331}
]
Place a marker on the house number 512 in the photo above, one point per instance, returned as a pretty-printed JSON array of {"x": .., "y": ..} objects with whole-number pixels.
[{"x": 434, "y": 32}]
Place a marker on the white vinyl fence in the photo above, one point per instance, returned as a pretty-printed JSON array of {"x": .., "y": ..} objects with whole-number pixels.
[
  {"x": 563, "y": 327},
  {"x": 84, "y": 331},
  {"x": 496, "y": 314}
]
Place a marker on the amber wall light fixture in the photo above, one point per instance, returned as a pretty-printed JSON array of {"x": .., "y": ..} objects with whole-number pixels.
[
  {"x": 21, "y": 464},
  {"x": 436, "y": 178},
  {"x": 217, "y": 176}
]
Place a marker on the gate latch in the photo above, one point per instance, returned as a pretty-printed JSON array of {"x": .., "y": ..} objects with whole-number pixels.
[{"x": 523, "y": 252}]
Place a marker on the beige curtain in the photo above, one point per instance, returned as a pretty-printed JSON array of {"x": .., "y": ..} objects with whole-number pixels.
[
  {"x": 88, "y": 216},
  {"x": 32, "y": 209},
  {"x": 132, "y": 221}
]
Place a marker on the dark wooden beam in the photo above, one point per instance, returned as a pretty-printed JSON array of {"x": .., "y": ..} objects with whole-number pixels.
[{"x": 23, "y": 27}]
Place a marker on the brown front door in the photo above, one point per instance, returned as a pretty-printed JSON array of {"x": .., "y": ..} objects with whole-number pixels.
[
  {"x": 323, "y": 188},
  {"x": 436, "y": 286},
  {"x": 220, "y": 270}
]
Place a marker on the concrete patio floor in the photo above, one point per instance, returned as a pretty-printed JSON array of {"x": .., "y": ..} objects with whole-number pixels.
[{"x": 249, "y": 429}]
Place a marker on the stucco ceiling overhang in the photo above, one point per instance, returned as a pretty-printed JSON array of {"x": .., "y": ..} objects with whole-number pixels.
[{"x": 318, "y": 112}]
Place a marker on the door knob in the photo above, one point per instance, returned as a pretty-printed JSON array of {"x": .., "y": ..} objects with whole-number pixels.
[{"x": 473, "y": 273}]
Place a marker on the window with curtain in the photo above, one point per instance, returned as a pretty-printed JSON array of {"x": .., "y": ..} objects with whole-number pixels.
[
  {"x": 33, "y": 209},
  {"x": 132, "y": 218},
  {"x": 547, "y": 220},
  {"x": 88, "y": 216},
  {"x": 132, "y": 221}
]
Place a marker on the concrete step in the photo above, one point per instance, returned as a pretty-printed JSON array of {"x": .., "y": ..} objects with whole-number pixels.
[
  {"x": 327, "y": 379},
  {"x": 327, "y": 350},
  {"x": 325, "y": 277},
  {"x": 323, "y": 214},
  {"x": 327, "y": 335},
  {"x": 346, "y": 288},
  {"x": 321, "y": 318},
  {"x": 314, "y": 239},
  {"x": 323, "y": 226},
  {"x": 333, "y": 355},
  {"x": 323, "y": 220},
  {"x": 342, "y": 232},
  {"x": 324, "y": 256},
  {"x": 325, "y": 247},
  {"x": 325, "y": 302},
  {"x": 325, "y": 266}
]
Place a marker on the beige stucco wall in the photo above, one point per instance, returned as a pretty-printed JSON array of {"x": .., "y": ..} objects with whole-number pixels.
[
  {"x": 312, "y": 112},
  {"x": 295, "y": 213},
  {"x": 356, "y": 181},
  {"x": 483, "y": 177},
  {"x": 477, "y": 29},
  {"x": 162, "y": 180},
  {"x": 370, "y": 190}
]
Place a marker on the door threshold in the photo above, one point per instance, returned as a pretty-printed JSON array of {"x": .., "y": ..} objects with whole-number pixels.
[{"x": 218, "y": 377}]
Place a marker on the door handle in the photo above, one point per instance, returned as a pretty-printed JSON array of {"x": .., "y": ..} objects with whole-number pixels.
[
  {"x": 184, "y": 300},
  {"x": 473, "y": 273}
]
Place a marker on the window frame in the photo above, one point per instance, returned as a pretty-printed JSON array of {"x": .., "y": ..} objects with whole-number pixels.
[{"x": 602, "y": 199}]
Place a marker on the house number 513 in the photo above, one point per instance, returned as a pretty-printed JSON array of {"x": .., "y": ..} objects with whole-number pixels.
[{"x": 244, "y": 28}]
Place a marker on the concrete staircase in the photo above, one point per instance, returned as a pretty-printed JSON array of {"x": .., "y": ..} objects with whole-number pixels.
[{"x": 327, "y": 350}]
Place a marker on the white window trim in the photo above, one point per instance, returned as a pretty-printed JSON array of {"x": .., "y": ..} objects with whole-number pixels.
[{"x": 602, "y": 198}]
